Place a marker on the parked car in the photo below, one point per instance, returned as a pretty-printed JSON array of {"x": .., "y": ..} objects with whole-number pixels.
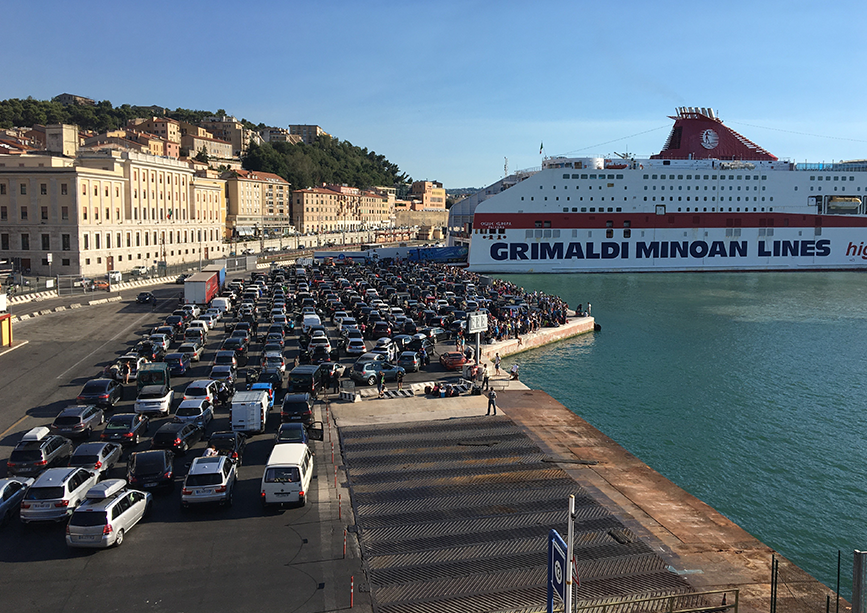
[
  {"x": 453, "y": 360},
  {"x": 210, "y": 480},
  {"x": 77, "y": 420},
  {"x": 176, "y": 436},
  {"x": 193, "y": 349},
  {"x": 11, "y": 494},
  {"x": 179, "y": 363},
  {"x": 152, "y": 469},
  {"x": 154, "y": 399},
  {"x": 98, "y": 457},
  {"x": 197, "y": 411},
  {"x": 103, "y": 393},
  {"x": 292, "y": 432},
  {"x": 409, "y": 361},
  {"x": 298, "y": 408},
  {"x": 229, "y": 444},
  {"x": 56, "y": 493},
  {"x": 37, "y": 450},
  {"x": 368, "y": 372},
  {"x": 109, "y": 510},
  {"x": 125, "y": 428}
]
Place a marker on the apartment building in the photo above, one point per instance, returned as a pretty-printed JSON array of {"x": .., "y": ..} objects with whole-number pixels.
[
  {"x": 336, "y": 208},
  {"x": 258, "y": 202},
  {"x": 308, "y": 134},
  {"x": 231, "y": 130},
  {"x": 214, "y": 147},
  {"x": 104, "y": 210},
  {"x": 427, "y": 195}
]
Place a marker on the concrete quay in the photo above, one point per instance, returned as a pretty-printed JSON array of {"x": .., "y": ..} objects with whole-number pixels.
[{"x": 452, "y": 509}]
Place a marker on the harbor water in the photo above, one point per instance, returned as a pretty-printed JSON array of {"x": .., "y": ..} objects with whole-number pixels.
[{"x": 744, "y": 389}]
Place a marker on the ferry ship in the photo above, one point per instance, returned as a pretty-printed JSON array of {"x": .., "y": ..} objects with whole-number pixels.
[{"x": 711, "y": 200}]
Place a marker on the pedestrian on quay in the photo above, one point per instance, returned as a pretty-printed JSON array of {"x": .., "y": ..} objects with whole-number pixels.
[
  {"x": 497, "y": 364},
  {"x": 400, "y": 379},
  {"x": 124, "y": 370},
  {"x": 335, "y": 381},
  {"x": 485, "y": 379},
  {"x": 381, "y": 386},
  {"x": 492, "y": 401}
]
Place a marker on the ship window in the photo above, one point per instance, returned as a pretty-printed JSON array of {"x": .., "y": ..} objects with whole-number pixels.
[
  {"x": 556, "y": 233},
  {"x": 565, "y": 209},
  {"x": 666, "y": 162},
  {"x": 747, "y": 178},
  {"x": 609, "y": 224},
  {"x": 654, "y": 176},
  {"x": 680, "y": 177},
  {"x": 592, "y": 176},
  {"x": 538, "y": 224},
  {"x": 713, "y": 177},
  {"x": 528, "y": 234},
  {"x": 522, "y": 197},
  {"x": 796, "y": 188},
  {"x": 583, "y": 209},
  {"x": 566, "y": 176},
  {"x": 609, "y": 233},
  {"x": 836, "y": 178},
  {"x": 609, "y": 176},
  {"x": 592, "y": 209},
  {"x": 583, "y": 176},
  {"x": 574, "y": 176},
  {"x": 645, "y": 198},
  {"x": 627, "y": 233},
  {"x": 540, "y": 187},
  {"x": 538, "y": 234},
  {"x": 547, "y": 224},
  {"x": 546, "y": 233},
  {"x": 851, "y": 178},
  {"x": 574, "y": 209},
  {"x": 619, "y": 176},
  {"x": 646, "y": 177},
  {"x": 532, "y": 198}
]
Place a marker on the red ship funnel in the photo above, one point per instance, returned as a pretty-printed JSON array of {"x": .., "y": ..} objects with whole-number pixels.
[{"x": 699, "y": 134}]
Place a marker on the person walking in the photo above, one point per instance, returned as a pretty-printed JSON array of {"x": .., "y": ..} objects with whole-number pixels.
[
  {"x": 335, "y": 381},
  {"x": 400, "y": 379},
  {"x": 497, "y": 364},
  {"x": 381, "y": 385},
  {"x": 124, "y": 370},
  {"x": 485, "y": 379},
  {"x": 492, "y": 401}
]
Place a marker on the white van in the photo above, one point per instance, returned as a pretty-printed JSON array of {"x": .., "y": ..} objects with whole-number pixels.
[
  {"x": 287, "y": 474},
  {"x": 224, "y": 304},
  {"x": 249, "y": 411}
]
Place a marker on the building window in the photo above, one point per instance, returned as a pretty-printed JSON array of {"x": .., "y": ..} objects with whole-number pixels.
[
  {"x": 25, "y": 242},
  {"x": 97, "y": 241},
  {"x": 63, "y": 189},
  {"x": 4, "y": 242},
  {"x": 23, "y": 189},
  {"x": 46, "y": 242},
  {"x": 64, "y": 262},
  {"x": 43, "y": 189},
  {"x": 4, "y": 213},
  {"x": 2, "y": 189},
  {"x": 86, "y": 244},
  {"x": 64, "y": 213},
  {"x": 44, "y": 213},
  {"x": 24, "y": 213},
  {"x": 65, "y": 243}
]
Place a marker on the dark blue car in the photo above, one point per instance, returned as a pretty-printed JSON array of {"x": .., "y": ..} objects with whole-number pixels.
[{"x": 178, "y": 363}]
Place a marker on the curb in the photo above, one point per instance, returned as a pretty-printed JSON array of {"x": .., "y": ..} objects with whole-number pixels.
[{"x": 75, "y": 305}]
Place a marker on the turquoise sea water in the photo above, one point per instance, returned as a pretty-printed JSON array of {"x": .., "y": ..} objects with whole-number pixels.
[{"x": 745, "y": 389}]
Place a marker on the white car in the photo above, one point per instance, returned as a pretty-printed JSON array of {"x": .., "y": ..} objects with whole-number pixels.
[
  {"x": 319, "y": 341},
  {"x": 56, "y": 493},
  {"x": 210, "y": 479},
  {"x": 160, "y": 340},
  {"x": 200, "y": 323},
  {"x": 108, "y": 512},
  {"x": 209, "y": 319},
  {"x": 355, "y": 346},
  {"x": 194, "y": 349},
  {"x": 195, "y": 410},
  {"x": 203, "y": 389},
  {"x": 154, "y": 399},
  {"x": 194, "y": 309},
  {"x": 217, "y": 313}
]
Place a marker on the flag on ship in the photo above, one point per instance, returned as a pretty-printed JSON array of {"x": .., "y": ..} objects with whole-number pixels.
[{"x": 541, "y": 146}]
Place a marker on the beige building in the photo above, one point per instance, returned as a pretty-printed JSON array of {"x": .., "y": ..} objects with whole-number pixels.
[
  {"x": 427, "y": 195},
  {"x": 232, "y": 131},
  {"x": 308, "y": 134},
  {"x": 104, "y": 210},
  {"x": 215, "y": 148},
  {"x": 73, "y": 99},
  {"x": 168, "y": 129},
  {"x": 258, "y": 202},
  {"x": 279, "y": 135},
  {"x": 337, "y": 208}
]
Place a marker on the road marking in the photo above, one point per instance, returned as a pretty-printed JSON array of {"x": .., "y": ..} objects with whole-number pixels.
[
  {"x": 12, "y": 427},
  {"x": 15, "y": 347},
  {"x": 112, "y": 339}
]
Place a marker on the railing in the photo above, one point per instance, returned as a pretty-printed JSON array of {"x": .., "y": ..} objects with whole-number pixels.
[{"x": 696, "y": 602}]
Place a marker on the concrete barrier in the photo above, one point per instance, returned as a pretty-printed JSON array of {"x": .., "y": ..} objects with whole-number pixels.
[{"x": 534, "y": 340}]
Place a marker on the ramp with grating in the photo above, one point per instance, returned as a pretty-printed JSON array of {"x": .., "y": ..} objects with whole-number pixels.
[{"x": 454, "y": 515}]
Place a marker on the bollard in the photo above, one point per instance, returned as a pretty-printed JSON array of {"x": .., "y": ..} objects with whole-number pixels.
[
  {"x": 344, "y": 543},
  {"x": 332, "y": 453},
  {"x": 339, "y": 508},
  {"x": 351, "y": 591},
  {"x": 335, "y": 477}
]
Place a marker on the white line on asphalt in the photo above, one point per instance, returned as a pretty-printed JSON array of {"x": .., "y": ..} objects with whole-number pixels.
[
  {"x": 112, "y": 339},
  {"x": 21, "y": 344}
]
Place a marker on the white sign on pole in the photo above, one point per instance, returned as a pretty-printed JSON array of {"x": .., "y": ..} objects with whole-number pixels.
[
  {"x": 49, "y": 257},
  {"x": 477, "y": 322}
]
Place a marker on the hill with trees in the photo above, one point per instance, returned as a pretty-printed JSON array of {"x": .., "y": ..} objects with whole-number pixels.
[{"x": 328, "y": 160}]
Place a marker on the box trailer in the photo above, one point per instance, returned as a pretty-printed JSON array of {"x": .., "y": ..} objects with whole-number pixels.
[{"x": 201, "y": 287}]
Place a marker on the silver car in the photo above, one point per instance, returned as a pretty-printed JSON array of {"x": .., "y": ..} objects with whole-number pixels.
[
  {"x": 56, "y": 494},
  {"x": 11, "y": 494},
  {"x": 211, "y": 479},
  {"x": 99, "y": 457},
  {"x": 108, "y": 512},
  {"x": 195, "y": 410}
]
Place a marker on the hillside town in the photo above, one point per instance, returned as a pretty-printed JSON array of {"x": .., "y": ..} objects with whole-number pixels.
[{"x": 161, "y": 191}]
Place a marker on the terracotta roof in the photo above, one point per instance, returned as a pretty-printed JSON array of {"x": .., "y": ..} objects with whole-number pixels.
[{"x": 257, "y": 175}]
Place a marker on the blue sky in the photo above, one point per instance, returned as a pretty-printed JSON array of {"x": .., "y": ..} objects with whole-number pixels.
[{"x": 447, "y": 90}]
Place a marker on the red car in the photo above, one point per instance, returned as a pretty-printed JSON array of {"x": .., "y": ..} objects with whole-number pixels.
[{"x": 453, "y": 360}]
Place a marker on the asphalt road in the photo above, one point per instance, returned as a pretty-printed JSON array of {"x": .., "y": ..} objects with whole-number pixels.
[{"x": 210, "y": 559}]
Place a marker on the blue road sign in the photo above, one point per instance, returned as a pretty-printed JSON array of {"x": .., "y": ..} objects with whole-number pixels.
[{"x": 556, "y": 568}]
